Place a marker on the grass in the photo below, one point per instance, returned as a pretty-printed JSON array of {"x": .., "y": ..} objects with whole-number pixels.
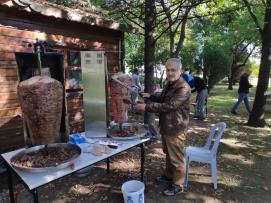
[
  {"x": 243, "y": 163},
  {"x": 244, "y": 152},
  {"x": 222, "y": 98}
]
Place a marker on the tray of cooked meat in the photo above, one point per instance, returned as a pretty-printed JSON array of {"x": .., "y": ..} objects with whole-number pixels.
[
  {"x": 46, "y": 158},
  {"x": 127, "y": 131}
]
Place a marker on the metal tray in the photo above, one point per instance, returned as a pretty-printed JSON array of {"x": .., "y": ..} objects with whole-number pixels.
[
  {"x": 59, "y": 166},
  {"x": 113, "y": 132}
]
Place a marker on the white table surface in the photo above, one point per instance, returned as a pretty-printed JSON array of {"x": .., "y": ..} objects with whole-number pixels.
[{"x": 35, "y": 180}]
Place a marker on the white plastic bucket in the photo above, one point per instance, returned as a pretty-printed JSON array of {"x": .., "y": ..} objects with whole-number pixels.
[{"x": 133, "y": 191}]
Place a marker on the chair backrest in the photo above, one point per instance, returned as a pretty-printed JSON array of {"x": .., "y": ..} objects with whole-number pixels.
[{"x": 216, "y": 133}]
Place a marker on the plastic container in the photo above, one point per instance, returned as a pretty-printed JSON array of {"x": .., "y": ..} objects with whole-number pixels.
[
  {"x": 77, "y": 138},
  {"x": 133, "y": 191}
]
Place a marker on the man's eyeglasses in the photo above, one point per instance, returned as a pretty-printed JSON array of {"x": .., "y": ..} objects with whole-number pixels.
[{"x": 173, "y": 70}]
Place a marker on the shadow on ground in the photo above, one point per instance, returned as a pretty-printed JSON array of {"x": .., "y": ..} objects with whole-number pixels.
[{"x": 244, "y": 165}]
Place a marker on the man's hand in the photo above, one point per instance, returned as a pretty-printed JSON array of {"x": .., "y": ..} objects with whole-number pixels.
[
  {"x": 144, "y": 95},
  {"x": 140, "y": 107}
]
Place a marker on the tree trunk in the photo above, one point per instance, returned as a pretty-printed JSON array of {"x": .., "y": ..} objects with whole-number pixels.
[
  {"x": 230, "y": 83},
  {"x": 230, "y": 79},
  {"x": 182, "y": 35},
  {"x": 149, "y": 53},
  {"x": 256, "y": 117},
  {"x": 171, "y": 44}
]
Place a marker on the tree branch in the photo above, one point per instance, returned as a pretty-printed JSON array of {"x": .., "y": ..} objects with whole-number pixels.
[
  {"x": 263, "y": 2},
  {"x": 247, "y": 57},
  {"x": 254, "y": 18}
]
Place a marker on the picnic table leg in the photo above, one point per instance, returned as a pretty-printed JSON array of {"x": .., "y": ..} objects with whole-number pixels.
[
  {"x": 186, "y": 172},
  {"x": 142, "y": 161},
  {"x": 107, "y": 165},
  {"x": 34, "y": 192},
  {"x": 10, "y": 186}
]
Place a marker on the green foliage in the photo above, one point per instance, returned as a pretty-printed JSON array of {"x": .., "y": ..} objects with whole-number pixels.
[
  {"x": 71, "y": 3},
  {"x": 232, "y": 30},
  {"x": 254, "y": 68},
  {"x": 216, "y": 64},
  {"x": 191, "y": 56},
  {"x": 134, "y": 54},
  {"x": 223, "y": 26},
  {"x": 162, "y": 50},
  {"x": 221, "y": 97}
]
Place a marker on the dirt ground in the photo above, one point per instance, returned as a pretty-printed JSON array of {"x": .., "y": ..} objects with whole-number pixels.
[{"x": 244, "y": 165}]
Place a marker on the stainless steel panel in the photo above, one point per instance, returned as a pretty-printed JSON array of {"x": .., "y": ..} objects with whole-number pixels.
[{"x": 94, "y": 96}]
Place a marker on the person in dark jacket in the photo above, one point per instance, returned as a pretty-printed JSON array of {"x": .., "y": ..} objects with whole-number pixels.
[
  {"x": 202, "y": 91},
  {"x": 189, "y": 78},
  {"x": 243, "y": 91},
  {"x": 172, "y": 104}
]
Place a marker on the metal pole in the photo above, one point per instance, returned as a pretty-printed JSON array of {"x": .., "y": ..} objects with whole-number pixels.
[
  {"x": 107, "y": 165},
  {"x": 35, "y": 195},
  {"x": 10, "y": 186},
  {"x": 142, "y": 161},
  {"x": 38, "y": 50}
]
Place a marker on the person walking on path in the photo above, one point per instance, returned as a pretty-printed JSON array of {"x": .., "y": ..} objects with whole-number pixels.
[
  {"x": 243, "y": 91},
  {"x": 202, "y": 91},
  {"x": 172, "y": 104},
  {"x": 136, "y": 87}
]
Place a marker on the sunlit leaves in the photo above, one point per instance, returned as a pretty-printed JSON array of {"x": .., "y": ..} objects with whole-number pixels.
[{"x": 216, "y": 63}]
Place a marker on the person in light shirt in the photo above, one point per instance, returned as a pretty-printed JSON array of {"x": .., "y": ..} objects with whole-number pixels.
[{"x": 136, "y": 87}]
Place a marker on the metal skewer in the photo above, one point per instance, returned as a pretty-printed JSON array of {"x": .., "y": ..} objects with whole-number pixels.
[{"x": 114, "y": 77}]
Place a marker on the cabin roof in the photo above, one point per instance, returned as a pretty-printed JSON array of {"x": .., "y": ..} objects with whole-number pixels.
[{"x": 70, "y": 14}]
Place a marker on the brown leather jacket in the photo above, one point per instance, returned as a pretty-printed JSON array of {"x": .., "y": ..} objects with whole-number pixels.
[{"x": 172, "y": 104}]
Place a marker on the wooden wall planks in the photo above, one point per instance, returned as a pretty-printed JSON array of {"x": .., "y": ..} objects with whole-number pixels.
[{"x": 18, "y": 32}]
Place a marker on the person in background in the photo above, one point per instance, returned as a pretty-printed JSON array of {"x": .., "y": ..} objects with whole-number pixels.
[
  {"x": 202, "y": 91},
  {"x": 243, "y": 91},
  {"x": 189, "y": 78},
  {"x": 172, "y": 105},
  {"x": 136, "y": 87}
]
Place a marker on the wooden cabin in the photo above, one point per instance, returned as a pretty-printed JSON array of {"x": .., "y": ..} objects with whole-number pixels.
[{"x": 64, "y": 31}]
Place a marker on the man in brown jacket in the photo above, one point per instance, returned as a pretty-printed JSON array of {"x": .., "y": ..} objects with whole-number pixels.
[{"x": 172, "y": 104}]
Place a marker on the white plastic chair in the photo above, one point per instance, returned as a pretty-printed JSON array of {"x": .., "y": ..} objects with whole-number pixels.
[{"x": 207, "y": 153}]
